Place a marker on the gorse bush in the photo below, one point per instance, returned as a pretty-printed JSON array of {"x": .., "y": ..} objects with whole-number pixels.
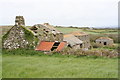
[{"x": 98, "y": 53}]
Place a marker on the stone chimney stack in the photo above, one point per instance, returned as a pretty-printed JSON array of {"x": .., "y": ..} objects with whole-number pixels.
[
  {"x": 20, "y": 21},
  {"x": 46, "y": 23}
]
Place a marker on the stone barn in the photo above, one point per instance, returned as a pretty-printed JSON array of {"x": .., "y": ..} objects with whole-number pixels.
[
  {"x": 73, "y": 42},
  {"x": 83, "y": 37},
  {"x": 18, "y": 36},
  {"x": 105, "y": 41},
  {"x": 47, "y": 32}
]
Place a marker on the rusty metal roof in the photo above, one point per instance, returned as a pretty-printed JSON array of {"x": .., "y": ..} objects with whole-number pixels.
[
  {"x": 44, "y": 46},
  {"x": 71, "y": 39},
  {"x": 61, "y": 46},
  {"x": 47, "y": 46},
  {"x": 105, "y": 38}
]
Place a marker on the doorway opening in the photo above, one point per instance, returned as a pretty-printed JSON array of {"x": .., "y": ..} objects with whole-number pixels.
[
  {"x": 105, "y": 43},
  {"x": 80, "y": 45}
]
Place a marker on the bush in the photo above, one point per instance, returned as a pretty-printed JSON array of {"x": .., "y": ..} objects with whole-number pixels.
[
  {"x": 98, "y": 53},
  {"x": 21, "y": 52}
]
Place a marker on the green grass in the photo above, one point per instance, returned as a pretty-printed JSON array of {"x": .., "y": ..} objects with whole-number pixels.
[
  {"x": 101, "y": 31},
  {"x": 67, "y": 30},
  {"x": 58, "y": 66}
]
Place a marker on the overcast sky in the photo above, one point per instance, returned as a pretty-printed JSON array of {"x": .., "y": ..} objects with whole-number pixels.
[{"x": 95, "y": 13}]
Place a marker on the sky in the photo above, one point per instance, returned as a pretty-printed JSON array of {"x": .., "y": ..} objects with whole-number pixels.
[{"x": 80, "y": 13}]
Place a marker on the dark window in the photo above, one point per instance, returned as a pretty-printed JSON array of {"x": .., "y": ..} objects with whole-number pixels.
[
  {"x": 47, "y": 31},
  {"x": 54, "y": 35},
  {"x": 105, "y": 43},
  {"x": 69, "y": 46},
  {"x": 80, "y": 45}
]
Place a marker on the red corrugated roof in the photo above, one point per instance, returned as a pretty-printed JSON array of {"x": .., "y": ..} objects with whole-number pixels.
[
  {"x": 47, "y": 46},
  {"x": 61, "y": 46},
  {"x": 105, "y": 38},
  {"x": 44, "y": 46}
]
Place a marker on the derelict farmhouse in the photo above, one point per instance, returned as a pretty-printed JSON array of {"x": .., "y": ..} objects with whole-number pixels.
[{"x": 45, "y": 37}]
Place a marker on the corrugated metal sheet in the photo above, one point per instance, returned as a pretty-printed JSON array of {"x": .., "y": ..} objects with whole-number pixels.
[
  {"x": 61, "y": 46},
  {"x": 47, "y": 46},
  {"x": 44, "y": 46},
  {"x": 72, "y": 40}
]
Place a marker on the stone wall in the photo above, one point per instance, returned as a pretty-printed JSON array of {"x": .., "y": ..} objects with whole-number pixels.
[
  {"x": 18, "y": 37},
  {"x": 85, "y": 39}
]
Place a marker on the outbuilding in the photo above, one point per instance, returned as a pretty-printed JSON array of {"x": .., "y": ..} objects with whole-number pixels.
[
  {"x": 73, "y": 41},
  {"x": 105, "y": 41}
]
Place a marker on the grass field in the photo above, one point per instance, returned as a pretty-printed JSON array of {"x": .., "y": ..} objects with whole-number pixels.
[
  {"x": 69, "y": 30},
  {"x": 16, "y": 66}
]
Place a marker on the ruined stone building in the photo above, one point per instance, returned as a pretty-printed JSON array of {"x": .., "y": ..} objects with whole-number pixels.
[
  {"x": 18, "y": 36},
  {"x": 83, "y": 37},
  {"x": 73, "y": 42},
  {"x": 47, "y": 32},
  {"x": 42, "y": 37},
  {"x": 104, "y": 41}
]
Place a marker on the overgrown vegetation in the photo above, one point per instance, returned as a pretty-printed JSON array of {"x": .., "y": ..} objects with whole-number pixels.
[
  {"x": 66, "y": 52},
  {"x": 29, "y": 36},
  {"x": 92, "y": 53}
]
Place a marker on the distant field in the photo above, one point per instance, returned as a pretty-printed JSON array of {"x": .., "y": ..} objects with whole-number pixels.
[
  {"x": 69, "y": 30},
  {"x": 66, "y": 30},
  {"x": 16, "y": 66},
  {"x": 5, "y": 29}
]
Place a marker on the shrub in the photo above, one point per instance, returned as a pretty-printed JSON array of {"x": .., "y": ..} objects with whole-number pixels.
[{"x": 98, "y": 53}]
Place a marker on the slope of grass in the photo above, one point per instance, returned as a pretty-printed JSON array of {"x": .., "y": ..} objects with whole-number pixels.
[
  {"x": 16, "y": 66},
  {"x": 69, "y": 30}
]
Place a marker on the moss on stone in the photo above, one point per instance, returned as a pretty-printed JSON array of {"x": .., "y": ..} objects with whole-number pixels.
[{"x": 27, "y": 37}]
